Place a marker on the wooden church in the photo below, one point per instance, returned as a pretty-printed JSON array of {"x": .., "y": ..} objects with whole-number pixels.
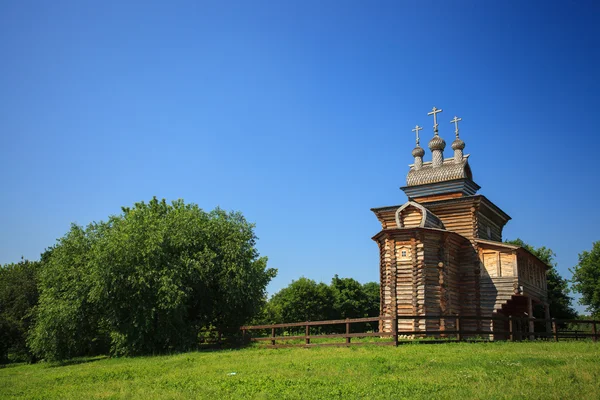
[{"x": 441, "y": 252}]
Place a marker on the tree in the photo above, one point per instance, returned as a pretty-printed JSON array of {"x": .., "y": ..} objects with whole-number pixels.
[
  {"x": 306, "y": 300},
  {"x": 371, "y": 290},
  {"x": 586, "y": 279},
  {"x": 18, "y": 296},
  {"x": 302, "y": 300},
  {"x": 558, "y": 287},
  {"x": 351, "y": 301},
  {"x": 148, "y": 281}
]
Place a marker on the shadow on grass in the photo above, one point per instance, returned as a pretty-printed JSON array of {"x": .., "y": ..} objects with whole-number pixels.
[
  {"x": 53, "y": 364},
  {"x": 13, "y": 364},
  {"x": 75, "y": 361}
]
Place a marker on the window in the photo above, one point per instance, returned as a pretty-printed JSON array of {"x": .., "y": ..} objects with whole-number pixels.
[
  {"x": 489, "y": 232},
  {"x": 404, "y": 253}
]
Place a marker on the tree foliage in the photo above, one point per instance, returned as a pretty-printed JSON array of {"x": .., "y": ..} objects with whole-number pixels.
[
  {"x": 306, "y": 300},
  {"x": 586, "y": 279},
  {"x": 302, "y": 300},
  {"x": 351, "y": 299},
  {"x": 147, "y": 281},
  {"x": 558, "y": 287},
  {"x": 18, "y": 296}
]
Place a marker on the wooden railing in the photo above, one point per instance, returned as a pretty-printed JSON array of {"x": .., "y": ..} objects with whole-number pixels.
[{"x": 515, "y": 328}]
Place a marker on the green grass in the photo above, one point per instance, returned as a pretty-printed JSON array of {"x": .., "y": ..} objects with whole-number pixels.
[{"x": 537, "y": 370}]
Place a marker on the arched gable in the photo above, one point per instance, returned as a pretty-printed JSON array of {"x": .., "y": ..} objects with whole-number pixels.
[{"x": 405, "y": 217}]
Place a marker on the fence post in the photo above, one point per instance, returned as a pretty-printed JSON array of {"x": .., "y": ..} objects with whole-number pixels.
[
  {"x": 347, "y": 331},
  {"x": 458, "y": 329},
  {"x": 273, "y": 336},
  {"x": 554, "y": 330},
  {"x": 595, "y": 332},
  {"x": 219, "y": 335},
  {"x": 395, "y": 330},
  {"x": 243, "y": 336},
  {"x": 511, "y": 328},
  {"x": 307, "y": 332}
]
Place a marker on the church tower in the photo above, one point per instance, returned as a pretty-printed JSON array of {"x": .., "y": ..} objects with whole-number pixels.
[{"x": 441, "y": 252}]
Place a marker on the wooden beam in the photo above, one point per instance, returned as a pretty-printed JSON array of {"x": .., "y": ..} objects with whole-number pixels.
[
  {"x": 530, "y": 315},
  {"x": 547, "y": 316}
]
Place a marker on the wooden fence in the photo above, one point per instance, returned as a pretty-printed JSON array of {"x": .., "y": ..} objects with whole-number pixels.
[{"x": 515, "y": 328}]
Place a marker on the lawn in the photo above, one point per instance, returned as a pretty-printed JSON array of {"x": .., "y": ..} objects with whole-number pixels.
[{"x": 536, "y": 370}]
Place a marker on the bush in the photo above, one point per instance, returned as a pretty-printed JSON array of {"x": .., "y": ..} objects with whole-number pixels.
[
  {"x": 148, "y": 281},
  {"x": 18, "y": 296}
]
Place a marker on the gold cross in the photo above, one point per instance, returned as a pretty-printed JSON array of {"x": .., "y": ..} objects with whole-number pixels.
[
  {"x": 417, "y": 129},
  {"x": 455, "y": 121},
  {"x": 435, "y": 124}
]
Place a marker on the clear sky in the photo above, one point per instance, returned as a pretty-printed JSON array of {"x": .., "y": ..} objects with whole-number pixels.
[{"x": 298, "y": 114}]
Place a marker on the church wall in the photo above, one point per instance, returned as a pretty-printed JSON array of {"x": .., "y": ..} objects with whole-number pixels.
[
  {"x": 387, "y": 218},
  {"x": 469, "y": 283},
  {"x": 433, "y": 273},
  {"x": 442, "y": 277},
  {"x": 411, "y": 217},
  {"x": 429, "y": 272},
  {"x": 387, "y": 289},
  {"x": 532, "y": 276},
  {"x": 407, "y": 281},
  {"x": 423, "y": 273},
  {"x": 487, "y": 229},
  {"x": 457, "y": 217},
  {"x": 439, "y": 197},
  {"x": 498, "y": 278},
  {"x": 453, "y": 265},
  {"x": 498, "y": 263},
  {"x": 508, "y": 264}
]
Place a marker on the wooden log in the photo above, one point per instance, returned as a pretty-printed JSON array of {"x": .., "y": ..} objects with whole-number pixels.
[
  {"x": 395, "y": 331},
  {"x": 307, "y": 332},
  {"x": 530, "y": 319},
  {"x": 347, "y": 332}
]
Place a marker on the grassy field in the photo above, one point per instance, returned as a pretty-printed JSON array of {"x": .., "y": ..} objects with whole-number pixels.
[{"x": 454, "y": 370}]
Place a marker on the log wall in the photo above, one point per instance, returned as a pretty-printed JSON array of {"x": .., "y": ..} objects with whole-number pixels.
[
  {"x": 488, "y": 229},
  {"x": 387, "y": 218},
  {"x": 498, "y": 263},
  {"x": 532, "y": 276},
  {"x": 457, "y": 217},
  {"x": 469, "y": 283},
  {"x": 427, "y": 272},
  {"x": 411, "y": 217},
  {"x": 451, "y": 271}
]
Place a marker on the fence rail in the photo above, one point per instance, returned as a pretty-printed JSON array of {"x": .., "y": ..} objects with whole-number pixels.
[{"x": 514, "y": 328}]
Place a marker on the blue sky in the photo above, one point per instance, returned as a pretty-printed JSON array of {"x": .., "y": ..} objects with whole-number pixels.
[{"x": 298, "y": 114}]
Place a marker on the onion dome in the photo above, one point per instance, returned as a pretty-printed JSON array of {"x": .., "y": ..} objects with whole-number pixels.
[
  {"x": 437, "y": 143},
  {"x": 418, "y": 151},
  {"x": 458, "y": 144}
]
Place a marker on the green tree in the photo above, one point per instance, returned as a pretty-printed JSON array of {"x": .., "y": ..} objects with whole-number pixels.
[
  {"x": 351, "y": 301},
  {"x": 302, "y": 300},
  {"x": 18, "y": 297},
  {"x": 558, "y": 287},
  {"x": 307, "y": 300},
  {"x": 586, "y": 279},
  {"x": 371, "y": 289},
  {"x": 67, "y": 321},
  {"x": 148, "y": 281}
]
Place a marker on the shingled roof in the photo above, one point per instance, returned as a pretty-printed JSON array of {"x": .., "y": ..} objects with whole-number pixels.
[{"x": 449, "y": 170}]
